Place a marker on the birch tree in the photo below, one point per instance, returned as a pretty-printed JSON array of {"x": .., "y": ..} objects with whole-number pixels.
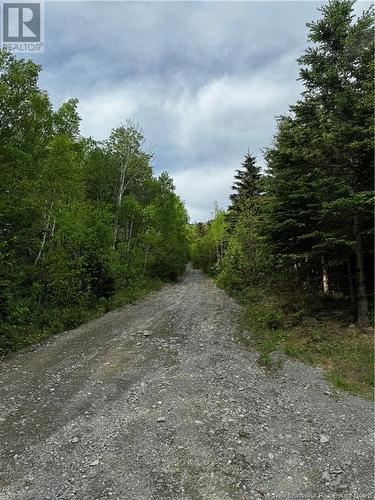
[{"x": 125, "y": 163}]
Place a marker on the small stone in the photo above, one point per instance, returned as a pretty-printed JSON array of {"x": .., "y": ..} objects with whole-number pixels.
[
  {"x": 161, "y": 419},
  {"x": 342, "y": 487},
  {"x": 198, "y": 422},
  {"x": 327, "y": 392},
  {"x": 271, "y": 456},
  {"x": 243, "y": 434},
  {"x": 94, "y": 463},
  {"x": 326, "y": 476},
  {"x": 146, "y": 333},
  {"x": 324, "y": 439},
  {"x": 75, "y": 440}
]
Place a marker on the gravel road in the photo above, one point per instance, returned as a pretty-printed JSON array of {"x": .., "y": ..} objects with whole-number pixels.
[{"x": 158, "y": 400}]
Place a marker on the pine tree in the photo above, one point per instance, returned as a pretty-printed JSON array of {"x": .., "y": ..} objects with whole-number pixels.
[
  {"x": 246, "y": 182},
  {"x": 246, "y": 188},
  {"x": 321, "y": 164},
  {"x": 338, "y": 74}
]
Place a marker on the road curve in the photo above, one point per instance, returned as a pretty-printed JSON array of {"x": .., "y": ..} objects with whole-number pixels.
[{"x": 157, "y": 400}]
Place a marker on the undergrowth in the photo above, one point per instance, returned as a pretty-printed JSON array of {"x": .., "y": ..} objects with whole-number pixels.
[
  {"x": 313, "y": 335},
  {"x": 53, "y": 321}
]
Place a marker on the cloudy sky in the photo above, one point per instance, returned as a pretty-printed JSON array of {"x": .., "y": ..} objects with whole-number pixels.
[{"x": 203, "y": 79}]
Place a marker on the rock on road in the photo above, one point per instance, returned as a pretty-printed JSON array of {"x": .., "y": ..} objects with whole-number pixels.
[{"x": 157, "y": 400}]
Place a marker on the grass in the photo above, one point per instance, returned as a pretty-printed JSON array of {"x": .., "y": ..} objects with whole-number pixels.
[{"x": 345, "y": 353}]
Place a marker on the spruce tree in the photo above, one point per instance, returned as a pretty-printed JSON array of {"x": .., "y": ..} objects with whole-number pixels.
[
  {"x": 321, "y": 164},
  {"x": 246, "y": 188}
]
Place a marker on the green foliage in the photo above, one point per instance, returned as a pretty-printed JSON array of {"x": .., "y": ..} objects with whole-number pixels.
[
  {"x": 321, "y": 166},
  {"x": 346, "y": 354},
  {"x": 208, "y": 243},
  {"x": 85, "y": 225},
  {"x": 306, "y": 223},
  {"x": 308, "y": 220},
  {"x": 246, "y": 190}
]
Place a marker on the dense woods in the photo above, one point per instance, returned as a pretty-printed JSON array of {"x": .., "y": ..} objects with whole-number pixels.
[
  {"x": 84, "y": 225},
  {"x": 303, "y": 229}
]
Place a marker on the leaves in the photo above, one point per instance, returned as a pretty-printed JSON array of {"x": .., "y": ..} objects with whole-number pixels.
[
  {"x": 82, "y": 222},
  {"x": 310, "y": 217}
]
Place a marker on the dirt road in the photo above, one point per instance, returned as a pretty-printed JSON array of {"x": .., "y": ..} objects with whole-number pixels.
[{"x": 158, "y": 400}]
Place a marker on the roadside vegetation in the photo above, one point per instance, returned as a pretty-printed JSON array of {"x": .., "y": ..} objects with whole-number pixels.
[
  {"x": 317, "y": 334},
  {"x": 85, "y": 225},
  {"x": 296, "y": 243}
]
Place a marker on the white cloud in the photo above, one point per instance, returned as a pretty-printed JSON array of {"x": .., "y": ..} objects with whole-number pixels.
[
  {"x": 210, "y": 128},
  {"x": 204, "y": 131},
  {"x": 204, "y": 80},
  {"x": 102, "y": 112},
  {"x": 201, "y": 186}
]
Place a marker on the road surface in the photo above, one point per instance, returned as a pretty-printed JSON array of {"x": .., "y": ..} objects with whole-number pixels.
[{"x": 158, "y": 400}]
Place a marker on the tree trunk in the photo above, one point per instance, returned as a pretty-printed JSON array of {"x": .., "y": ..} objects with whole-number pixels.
[
  {"x": 362, "y": 304},
  {"x": 120, "y": 192},
  {"x": 121, "y": 188},
  {"x": 325, "y": 277},
  {"x": 45, "y": 232},
  {"x": 53, "y": 228},
  {"x": 350, "y": 279},
  {"x": 130, "y": 235}
]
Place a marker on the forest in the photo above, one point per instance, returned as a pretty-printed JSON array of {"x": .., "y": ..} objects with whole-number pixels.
[
  {"x": 296, "y": 243},
  {"x": 147, "y": 355},
  {"x": 85, "y": 225}
]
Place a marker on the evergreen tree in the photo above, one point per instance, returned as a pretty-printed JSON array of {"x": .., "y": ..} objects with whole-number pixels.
[
  {"x": 309, "y": 221},
  {"x": 321, "y": 165},
  {"x": 247, "y": 184}
]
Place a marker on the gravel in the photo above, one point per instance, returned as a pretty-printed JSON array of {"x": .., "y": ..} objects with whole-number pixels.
[{"x": 157, "y": 400}]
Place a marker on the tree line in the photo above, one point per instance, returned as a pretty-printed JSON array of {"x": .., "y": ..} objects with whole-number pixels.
[
  {"x": 306, "y": 222},
  {"x": 85, "y": 225}
]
